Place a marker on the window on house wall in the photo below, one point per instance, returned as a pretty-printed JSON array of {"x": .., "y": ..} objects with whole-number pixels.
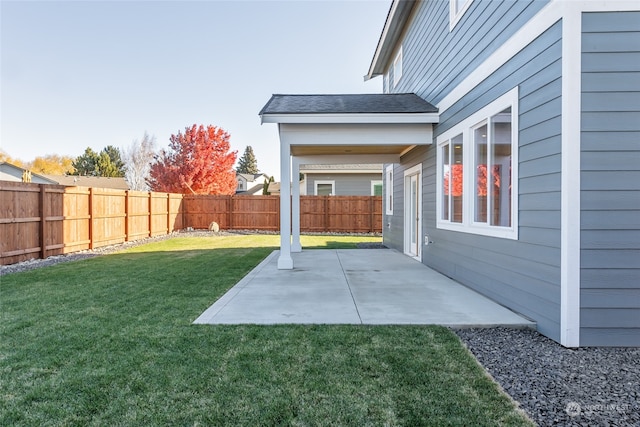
[
  {"x": 457, "y": 8},
  {"x": 376, "y": 188},
  {"x": 477, "y": 171},
  {"x": 452, "y": 179},
  {"x": 240, "y": 185},
  {"x": 389, "y": 188},
  {"x": 397, "y": 67},
  {"x": 325, "y": 188}
]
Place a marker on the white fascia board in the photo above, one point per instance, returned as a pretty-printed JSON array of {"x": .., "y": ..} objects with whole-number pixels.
[
  {"x": 352, "y": 118},
  {"x": 393, "y": 27},
  {"x": 339, "y": 171},
  {"x": 383, "y": 41},
  {"x": 608, "y": 5},
  {"x": 347, "y": 159}
]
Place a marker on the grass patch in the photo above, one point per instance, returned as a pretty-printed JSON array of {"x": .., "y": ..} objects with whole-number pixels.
[{"x": 109, "y": 341}]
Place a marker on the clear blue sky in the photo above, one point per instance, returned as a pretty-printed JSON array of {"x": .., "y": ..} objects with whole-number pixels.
[{"x": 88, "y": 73}]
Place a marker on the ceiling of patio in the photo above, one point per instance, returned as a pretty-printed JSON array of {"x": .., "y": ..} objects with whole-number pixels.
[{"x": 314, "y": 150}]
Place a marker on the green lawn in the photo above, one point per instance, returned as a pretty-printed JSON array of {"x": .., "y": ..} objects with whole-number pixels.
[{"x": 109, "y": 341}]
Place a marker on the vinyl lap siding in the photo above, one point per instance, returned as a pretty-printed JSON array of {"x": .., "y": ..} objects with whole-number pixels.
[
  {"x": 345, "y": 184},
  {"x": 435, "y": 59},
  {"x": 523, "y": 275},
  {"x": 393, "y": 233},
  {"x": 610, "y": 180}
]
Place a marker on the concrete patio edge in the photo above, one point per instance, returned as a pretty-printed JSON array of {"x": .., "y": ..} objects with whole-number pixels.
[{"x": 207, "y": 316}]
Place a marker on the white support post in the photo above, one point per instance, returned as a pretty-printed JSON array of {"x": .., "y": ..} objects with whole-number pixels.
[
  {"x": 570, "y": 180},
  {"x": 285, "y": 262},
  {"x": 296, "y": 246}
]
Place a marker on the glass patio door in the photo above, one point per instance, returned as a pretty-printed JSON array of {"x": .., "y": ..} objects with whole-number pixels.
[{"x": 412, "y": 215}]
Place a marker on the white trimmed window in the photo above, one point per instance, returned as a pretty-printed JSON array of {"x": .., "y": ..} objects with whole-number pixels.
[
  {"x": 324, "y": 188},
  {"x": 397, "y": 67},
  {"x": 478, "y": 170},
  {"x": 376, "y": 188},
  {"x": 457, "y": 8},
  {"x": 389, "y": 190}
]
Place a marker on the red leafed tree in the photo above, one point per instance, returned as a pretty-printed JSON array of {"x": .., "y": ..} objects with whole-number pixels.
[
  {"x": 198, "y": 161},
  {"x": 456, "y": 174}
]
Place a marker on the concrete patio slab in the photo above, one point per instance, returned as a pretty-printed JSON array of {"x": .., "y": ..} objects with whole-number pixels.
[{"x": 355, "y": 286}]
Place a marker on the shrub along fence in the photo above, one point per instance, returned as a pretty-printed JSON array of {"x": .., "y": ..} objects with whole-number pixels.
[{"x": 39, "y": 220}]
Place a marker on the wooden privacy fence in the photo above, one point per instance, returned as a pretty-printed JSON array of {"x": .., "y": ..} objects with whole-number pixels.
[
  {"x": 31, "y": 221},
  {"x": 38, "y": 221},
  {"x": 351, "y": 214},
  {"x": 358, "y": 214},
  {"x": 233, "y": 212},
  {"x": 95, "y": 217}
]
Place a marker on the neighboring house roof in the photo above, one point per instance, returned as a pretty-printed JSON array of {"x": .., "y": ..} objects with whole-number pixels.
[
  {"x": 351, "y": 168},
  {"x": 257, "y": 180},
  {"x": 405, "y": 103},
  {"x": 68, "y": 180},
  {"x": 11, "y": 170},
  {"x": 397, "y": 17},
  {"x": 249, "y": 177},
  {"x": 274, "y": 188},
  {"x": 90, "y": 181}
]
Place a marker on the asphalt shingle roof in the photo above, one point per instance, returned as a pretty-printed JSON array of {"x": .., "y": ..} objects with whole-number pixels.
[{"x": 348, "y": 104}]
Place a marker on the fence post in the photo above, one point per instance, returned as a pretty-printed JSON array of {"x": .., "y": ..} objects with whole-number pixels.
[
  {"x": 91, "y": 217},
  {"x": 150, "y": 204},
  {"x": 43, "y": 219},
  {"x": 230, "y": 210},
  {"x": 127, "y": 226},
  {"x": 168, "y": 213},
  {"x": 326, "y": 213},
  {"x": 371, "y": 206},
  {"x": 185, "y": 212},
  {"x": 278, "y": 213}
]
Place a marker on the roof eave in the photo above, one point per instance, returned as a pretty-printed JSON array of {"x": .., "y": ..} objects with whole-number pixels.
[
  {"x": 351, "y": 118},
  {"x": 393, "y": 26}
]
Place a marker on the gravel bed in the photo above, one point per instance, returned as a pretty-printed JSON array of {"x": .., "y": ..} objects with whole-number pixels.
[
  {"x": 371, "y": 245},
  {"x": 554, "y": 385}
]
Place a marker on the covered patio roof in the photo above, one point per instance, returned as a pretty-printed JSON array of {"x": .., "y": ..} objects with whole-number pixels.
[{"x": 340, "y": 129}]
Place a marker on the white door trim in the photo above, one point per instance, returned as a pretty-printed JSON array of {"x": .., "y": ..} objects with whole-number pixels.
[{"x": 408, "y": 220}]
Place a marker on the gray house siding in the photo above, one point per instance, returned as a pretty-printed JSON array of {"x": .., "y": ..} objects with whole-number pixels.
[
  {"x": 346, "y": 184},
  {"x": 522, "y": 274},
  {"x": 435, "y": 59},
  {"x": 393, "y": 225},
  {"x": 610, "y": 180}
]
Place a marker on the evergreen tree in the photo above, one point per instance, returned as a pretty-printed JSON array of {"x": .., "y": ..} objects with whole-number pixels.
[
  {"x": 248, "y": 163},
  {"x": 265, "y": 186},
  {"x": 106, "y": 163},
  {"x": 85, "y": 164},
  {"x": 115, "y": 165}
]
